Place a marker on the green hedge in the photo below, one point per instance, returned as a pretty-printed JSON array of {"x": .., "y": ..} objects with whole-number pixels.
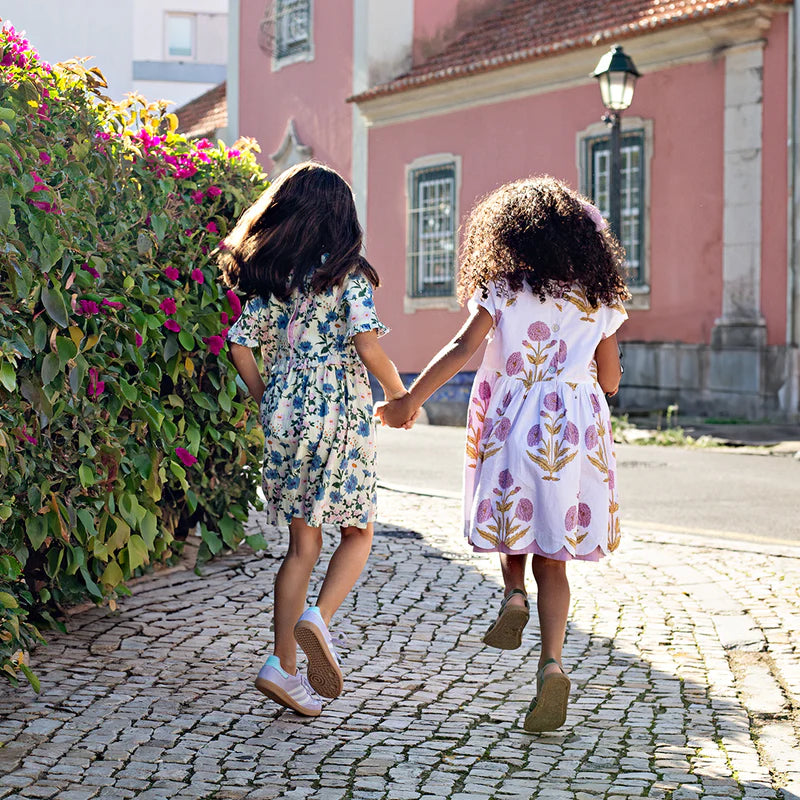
[{"x": 121, "y": 423}]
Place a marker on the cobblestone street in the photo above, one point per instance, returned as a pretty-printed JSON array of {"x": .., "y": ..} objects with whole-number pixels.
[{"x": 683, "y": 658}]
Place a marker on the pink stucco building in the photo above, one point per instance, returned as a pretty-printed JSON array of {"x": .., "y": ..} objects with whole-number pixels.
[{"x": 426, "y": 106}]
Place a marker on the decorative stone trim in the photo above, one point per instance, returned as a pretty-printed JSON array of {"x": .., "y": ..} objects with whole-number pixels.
[{"x": 290, "y": 152}]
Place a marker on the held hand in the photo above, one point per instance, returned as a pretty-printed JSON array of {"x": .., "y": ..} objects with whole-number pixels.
[{"x": 396, "y": 413}]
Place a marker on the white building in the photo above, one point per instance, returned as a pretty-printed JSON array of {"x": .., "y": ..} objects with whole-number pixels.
[{"x": 164, "y": 49}]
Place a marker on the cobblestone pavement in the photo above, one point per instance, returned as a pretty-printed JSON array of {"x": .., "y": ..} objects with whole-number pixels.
[{"x": 683, "y": 658}]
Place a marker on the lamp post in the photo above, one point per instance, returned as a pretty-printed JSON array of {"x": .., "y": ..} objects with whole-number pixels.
[{"x": 616, "y": 74}]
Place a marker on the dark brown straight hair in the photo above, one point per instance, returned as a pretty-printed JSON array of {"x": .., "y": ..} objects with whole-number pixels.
[{"x": 278, "y": 244}]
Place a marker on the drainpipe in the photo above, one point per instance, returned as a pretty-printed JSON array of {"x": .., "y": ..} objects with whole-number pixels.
[{"x": 232, "y": 78}]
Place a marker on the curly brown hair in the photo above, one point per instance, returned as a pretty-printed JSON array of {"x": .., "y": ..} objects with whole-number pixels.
[
  {"x": 538, "y": 232},
  {"x": 279, "y": 242}
]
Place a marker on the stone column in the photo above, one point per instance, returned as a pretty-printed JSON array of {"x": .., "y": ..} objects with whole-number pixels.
[{"x": 739, "y": 336}]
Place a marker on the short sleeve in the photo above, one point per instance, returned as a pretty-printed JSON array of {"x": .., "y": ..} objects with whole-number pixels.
[
  {"x": 612, "y": 317},
  {"x": 479, "y": 301},
  {"x": 359, "y": 307},
  {"x": 249, "y": 328}
]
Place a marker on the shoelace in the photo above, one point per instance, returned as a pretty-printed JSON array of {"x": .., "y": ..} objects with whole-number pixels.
[{"x": 307, "y": 686}]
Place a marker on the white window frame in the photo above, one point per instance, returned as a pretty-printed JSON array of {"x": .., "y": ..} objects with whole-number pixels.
[
  {"x": 640, "y": 299},
  {"x": 412, "y": 302},
  {"x": 193, "y": 38},
  {"x": 307, "y": 54}
]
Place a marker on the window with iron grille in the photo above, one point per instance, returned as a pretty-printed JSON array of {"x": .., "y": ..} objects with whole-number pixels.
[
  {"x": 292, "y": 28},
  {"x": 632, "y": 193},
  {"x": 432, "y": 230}
]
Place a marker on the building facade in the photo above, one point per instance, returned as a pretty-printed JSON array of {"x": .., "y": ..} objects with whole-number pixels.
[
  {"x": 163, "y": 49},
  {"x": 426, "y": 107}
]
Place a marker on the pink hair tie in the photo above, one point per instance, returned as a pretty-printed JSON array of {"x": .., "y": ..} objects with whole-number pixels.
[{"x": 593, "y": 212}]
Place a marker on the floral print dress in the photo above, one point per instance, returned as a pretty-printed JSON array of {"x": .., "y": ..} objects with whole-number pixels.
[
  {"x": 540, "y": 471},
  {"x": 319, "y": 448}
]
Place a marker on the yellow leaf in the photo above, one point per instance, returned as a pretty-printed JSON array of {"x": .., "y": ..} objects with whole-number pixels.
[
  {"x": 77, "y": 335},
  {"x": 172, "y": 121},
  {"x": 189, "y": 364},
  {"x": 92, "y": 341},
  {"x": 112, "y": 603}
]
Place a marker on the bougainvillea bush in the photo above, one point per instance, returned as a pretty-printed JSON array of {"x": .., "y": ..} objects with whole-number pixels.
[{"x": 121, "y": 424}]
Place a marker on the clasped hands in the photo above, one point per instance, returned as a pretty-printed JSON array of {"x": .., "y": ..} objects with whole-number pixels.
[{"x": 397, "y": 412}]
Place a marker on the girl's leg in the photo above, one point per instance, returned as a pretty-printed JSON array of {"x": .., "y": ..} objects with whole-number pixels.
[
  {"x": 552, "y": 603},
  {"x": 291, "y": 588},
  {"x": 513, "y": 569},
  {"x": 345, "y": 566}
]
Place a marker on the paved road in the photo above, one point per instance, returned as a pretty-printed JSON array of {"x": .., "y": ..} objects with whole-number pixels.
[
  {"x": 709, "y": 492},
  {"x": 683, "y": 660}
]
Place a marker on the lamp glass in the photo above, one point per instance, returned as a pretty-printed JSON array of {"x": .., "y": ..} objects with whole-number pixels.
[{"x": 616, "y": 89}]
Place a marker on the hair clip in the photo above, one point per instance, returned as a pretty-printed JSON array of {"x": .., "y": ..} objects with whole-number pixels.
[{"x": 593, "y": 212}]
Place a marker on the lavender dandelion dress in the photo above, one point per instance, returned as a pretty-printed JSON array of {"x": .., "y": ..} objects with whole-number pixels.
[{"x": 540, "y": 471}]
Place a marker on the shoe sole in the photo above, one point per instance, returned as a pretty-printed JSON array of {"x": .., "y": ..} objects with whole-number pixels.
[
  {"x": 323, "y": 672},
  {"x": 276, "y": 694},
  {"x": 506, "y": 633},
  {"x": 550, "y": 711}
]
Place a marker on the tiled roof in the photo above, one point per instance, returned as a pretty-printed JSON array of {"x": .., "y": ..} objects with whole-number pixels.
[
  {"x": 204, "y": 115},
  {"x": 524, "y": 30}
]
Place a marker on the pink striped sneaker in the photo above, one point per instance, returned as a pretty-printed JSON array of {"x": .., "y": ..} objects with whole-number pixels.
[
  {"x": 290, "y": 691},
  {"x": 313, "y": 636}
]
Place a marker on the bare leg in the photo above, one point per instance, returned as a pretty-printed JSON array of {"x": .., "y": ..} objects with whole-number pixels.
[
  {"x": 291, "y": 588},
  {"x": 513, "y": 568},
  {"x": 552, "y": 603},
  {"x": 345, "y": 566}
]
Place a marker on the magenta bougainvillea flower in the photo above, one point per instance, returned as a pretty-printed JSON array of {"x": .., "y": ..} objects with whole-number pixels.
[
  {"x": 197, "y": 275},
  {"x": 45, "y": 158},
  {"x": 214, "y": 191},
  {"x": 88, "y": 308},
  {"x": 139, "y": 340},
  {"x": 91, "y": 270},
  {"x": 223, "y": 317},
  {"x": 185, "y": 456},
  {"x": 50, "y": 208},
  {"x": 198, "y": 196},
  {"x": 212, "y": 227},
  {"x": 203, "y": 144},
  {"x": 168, "y": 306},
  {"x": 215, "y": 344},
  {"x": 96, "y": 386},
  {"x": 171, "y": 325},
  {"x": 171, "y": 273},
  {"x": 235, "y": 303},
  {"x": 111, "y": 303}
]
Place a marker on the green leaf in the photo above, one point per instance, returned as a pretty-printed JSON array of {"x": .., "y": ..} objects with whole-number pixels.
[
  {"x": 256, "y": 541},
  {"x": 66, "y": 350},
  {"x": 159, "y": 224},
  {"x": 171, "y": 347},
  {"x": 8, "y": 376},
  {"x": 149, "y": 528},
  {"x": 5, "y": 210},
  {"x": 213, "y": 542},
  {"x": 32, "y": 679},
  {"x": 37, "y": 531},
  {"x": 138, "y": 554},
  {"x": 8, "y": 600},
  {"x": 54, "y": 305},
  {"x": 86, "y": 475},
  {"x": 130, "y": 393},
  {"x": 186, "y": 340},
  {"x": 92, "y": 587},
  {"x": 50, "y": 368},
  {"x": 5, "y": 512},
  {"x": 112, "y": 575},
  {"x": 39, "y": 335}
]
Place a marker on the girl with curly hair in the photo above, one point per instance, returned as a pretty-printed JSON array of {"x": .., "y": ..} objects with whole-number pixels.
[{"x": 541, "y": 275}]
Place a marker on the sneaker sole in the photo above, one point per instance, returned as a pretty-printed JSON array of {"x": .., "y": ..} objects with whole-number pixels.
[
  {"x": 323, "y": 672},
  {"x": 506, "y": 633},
  {"x": 550, "y": 711},
  {"x": 276, "y": 694}
]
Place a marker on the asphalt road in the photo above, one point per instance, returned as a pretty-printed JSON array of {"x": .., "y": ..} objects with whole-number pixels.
[{"x": 709, "y": 492}]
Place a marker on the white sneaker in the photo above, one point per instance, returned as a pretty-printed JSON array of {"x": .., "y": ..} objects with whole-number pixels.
[
  {"x": 313, "y": 636},
  {"x": 290, "y": 691}
]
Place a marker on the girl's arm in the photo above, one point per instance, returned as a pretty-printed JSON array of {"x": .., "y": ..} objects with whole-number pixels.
[
  {"x": 446, "y": 363},
  {"x": 245, "y": 363},
  {"x": 608, "y": 368},
  {"x": 378, "y": 363}
]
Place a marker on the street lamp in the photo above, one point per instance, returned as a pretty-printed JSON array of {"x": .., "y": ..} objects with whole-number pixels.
[{"x": 616, "y": 74}]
